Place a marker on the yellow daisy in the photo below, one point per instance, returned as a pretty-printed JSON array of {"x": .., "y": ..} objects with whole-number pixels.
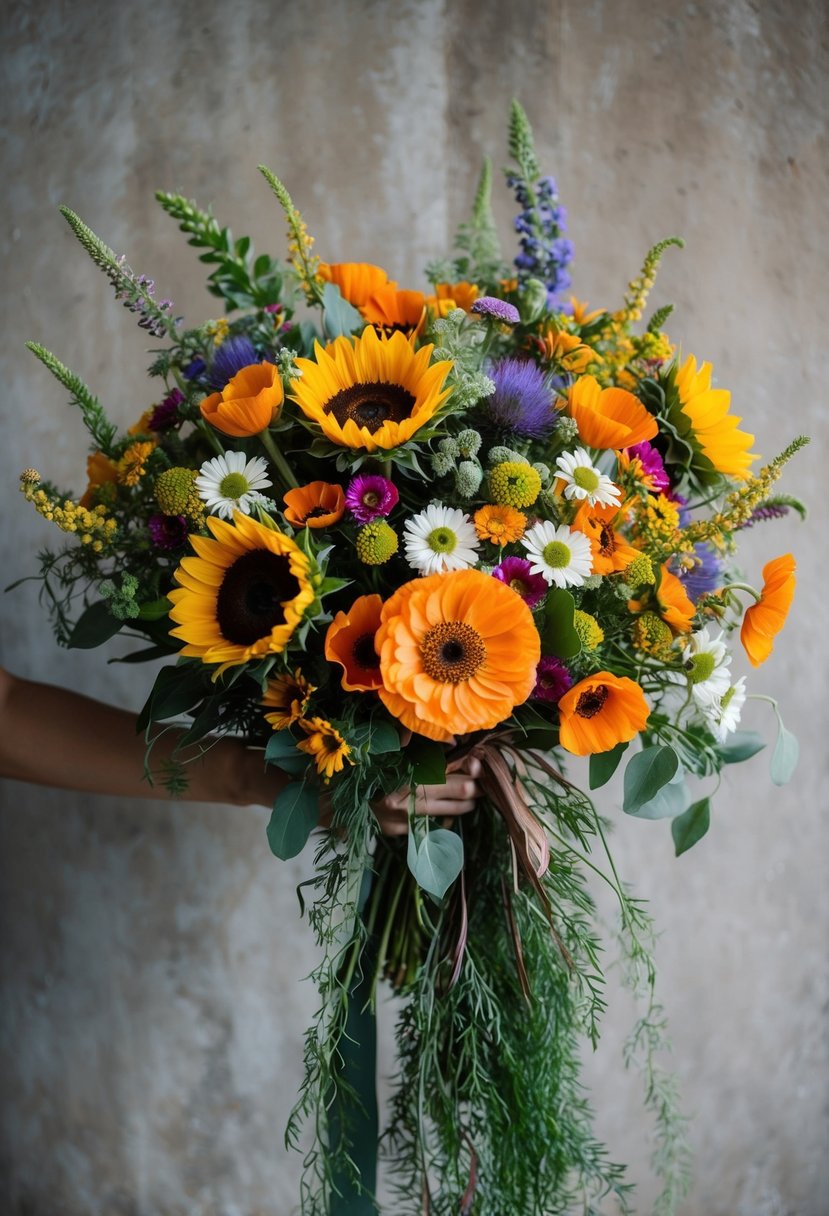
[
  {"x": 325, "y": 745},
  {"x": 371, "y": 392},
  {"x": 244, "y": 593},
  {"x": 713, "y": 430}
]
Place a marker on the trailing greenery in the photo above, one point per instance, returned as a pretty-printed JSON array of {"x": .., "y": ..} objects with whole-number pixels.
[{"x": 101, "y": 431}]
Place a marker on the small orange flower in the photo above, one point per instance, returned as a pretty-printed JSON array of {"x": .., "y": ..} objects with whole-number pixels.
[
  {"x": 390, "y": 308},
  {"x": 669, "y": 600},
  {"x": 502, "y": 525},
  {"x": 248, "y": 404},
  {"x": 764, "y": 620},
  {"x": 611, "y": 552},
  {"x": 580, "y": 314},
  {"x": 559, "y": 346},
  {"x": 449, "y": 296},
  {"x": 317, "y": 505},
  {"x": 601, "y": 711},
  {"x": 608, "y": 417},
  {"x": 287, "y": 697},
  {"x": 100, "y": 471},
  {"x": 357, "y": 281},
  {"x": 325, "y": 745},
  {"x": 133, "y": 464},
  {"x": 350, "y": 642}
]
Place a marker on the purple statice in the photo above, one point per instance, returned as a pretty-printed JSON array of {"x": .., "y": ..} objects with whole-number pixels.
[
  {"x": 499, "y": 310},
  {"x": 522, "y": 403},
  {"x": 516, "y": 572},
  {"x": 166, "y": 414},
  {"x": 771, "y": 510},
  {"x": 705, "y": 575},
  {"x": 168, "y": 531},
  {"x": 552, "y": 679},
  {"x": 233, "y": 354},
  {"x": 652, "y": 466},
  {"x": 545, "y": 251},
  {"x": 370, "y": 496}
]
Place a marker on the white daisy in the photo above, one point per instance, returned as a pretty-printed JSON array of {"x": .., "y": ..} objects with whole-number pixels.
[
  {"x": 583, "y": 481},
  {"x": 724, "y": 714},
  {"x": 560, "y": 554},
  {"x": 232, "y": 482},
  {"x": 440, "y": 539},
  {"x": 706, "y": 661}
]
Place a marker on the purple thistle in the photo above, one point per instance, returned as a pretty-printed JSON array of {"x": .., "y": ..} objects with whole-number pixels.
[
  {"x": 516, "y": 573},
  {"x": 168, "y": 531},
  {"x": 233, "y": 354},
  {"x": 370, "y": 496},
  {"x": 522, "y": 403},
  {"x": 552, "y": 679},
  {"x": 706, "y": 575},
  {"x": 166, "y": 415},
  {"x": 500, "y": 310},
  {"x": 652, "y": 465}
]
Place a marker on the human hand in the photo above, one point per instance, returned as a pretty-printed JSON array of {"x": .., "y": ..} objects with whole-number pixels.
[{"x": 456, "y": 796}]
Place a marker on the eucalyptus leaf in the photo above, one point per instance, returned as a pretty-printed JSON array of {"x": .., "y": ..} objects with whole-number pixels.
[
  {"x": 437, "y": 861},
  {"x": 668, "y": 802},
  {"x": 691, "y": 826},
  {"x": 281, "y": 750},
  {"x": 646, "y": 773},
  {"x": 340, "y": 318},
  {"x": 94, "y": 627},
  {"x": 294, "y": 817},
  {"x": 604, "y": 764},
  {"x": 742, "y": 745},
  {"x": 784, "y": 757}
]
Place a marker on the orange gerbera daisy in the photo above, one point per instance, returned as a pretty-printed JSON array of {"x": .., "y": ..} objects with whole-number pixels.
[
  {"x": 611, "y": 552},
  {"x": 317, "y": 505},
  {"x": 390, "y": 308},
  {"x": 764, "y": 620},
  {"x": 601, "y": 711},
  {"x": 357, "y": 281},
  {"x": 350, "y": 642},
  {"x": 248, "y": 403},
  {"x": 581, "y": 315},
  {"x": 326, "y": 745},
  {"x": 458, "y": 652},
  {"x": 669, "y": 600},
  {"x": 499, "y": 524},
  {"x": 608, "y": 417},
  {"x": 100, "y": 471},
  {"x": 287, "y": 697},
  {"x": 713, "y": 431}
]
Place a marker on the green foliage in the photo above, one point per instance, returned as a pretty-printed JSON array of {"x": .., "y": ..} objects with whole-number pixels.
[
  {"x": 522, "y": 144},
  {"x": 742, "y": 745},
  {"x": 558, "y": 634},
  {"x": 646, "y": 774},
  {"x": 480, "y": 261},
  {"x": 294, "y": 817},
  {"x": 659, "y": 318},
  {"x": 436, "y": 859},
  {"x": 785, "y": 756},
  {"x": 604, "y": 764},
  {"x": 339, "y": 317},
  {"x": 95, "y": 626},
  {"x": 101, "y": 430},
  {"x": 691, "y": 825}
]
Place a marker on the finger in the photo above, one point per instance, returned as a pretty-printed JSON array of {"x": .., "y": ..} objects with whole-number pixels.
[
  {"x": 468, "y": 764},
  {"x": 447, "y": 806}
]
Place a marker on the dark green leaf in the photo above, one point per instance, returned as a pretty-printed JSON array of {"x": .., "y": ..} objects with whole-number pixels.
[
  {"x": 646, "y": 774},
  {"x": 282, "y": 751},
  {"x": 94, "y": 627},
  {"x": 558, "y": 634},
  {"x": 604, "y": 764},
  {"x": 668, "y": 802},
  {"x": 205, "y": 720},
  {"x": 154, "y": 610},
  {"x": 691, "y": 826},
  {"x": 741, "y": 746},
  {"x": 437, "y": 861},
  {"x": 176, "y": 690},
  {"x": 428, "y": 760},
  {"x": 143, "y": 656},
  {"x": 295, "y": 815}
]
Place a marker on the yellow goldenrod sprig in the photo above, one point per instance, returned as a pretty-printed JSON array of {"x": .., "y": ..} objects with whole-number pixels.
[
  {"x": 639, "y": 288},
  {"x": 300, "y": 244},
  {"x": 91, "y": 526}
]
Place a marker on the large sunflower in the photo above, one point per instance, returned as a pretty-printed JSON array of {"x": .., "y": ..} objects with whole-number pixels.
[
  {"x": 370, "y": 392},
  {"x": 458, "y": 652},
  {"x": 707, "y": 425},
  {"x": 244, "y": 593}
]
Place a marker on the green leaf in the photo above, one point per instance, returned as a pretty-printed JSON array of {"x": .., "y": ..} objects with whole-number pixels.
[
  {"x": 437, "y": 861},
  {"x": 691, "y": 826},
  {"x": 785, "y": 756},
  {"x": 742, "y": 745},
  {"x": 558, "y": 634},
  {"x": 668, "y": 802},
  {"x": 154, "y": 610},
  {"x": 647, "y": 772},
  {"x": 339, "y": 317},
  {"x": 205, "y": 720},
  {"x": 94, "y": 627},
  {"x": 176, "y": 690},
  {"x": 604, "y": 764},
  {"x": 294, "y": 817},
  {"x": 143, "y": 656},
  {"x": 282, "y": 751},
  {"x": 383, "y": 739},
  {"x": 428, "y": 761}
]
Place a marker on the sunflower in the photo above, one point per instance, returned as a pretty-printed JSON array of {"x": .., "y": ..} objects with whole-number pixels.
[
  {"x": 287, "y": 697},
  {"x": 601, "y": 711},
  {"x": 608, "y": 417},
  {"x": 317, "y": 505},
  {"x": 669, "y": 601},
  {"x": 458, "y": 652},
  {"x": 325, "y": 745},
  {"x": 244, "y": 593},
  {"x": 764, "y": 620},
  {"x": 611, "y": 552},
  {"x": 370, "y": 392},
  {"x": 707, "y": 425},
  {"x": 350, "y": 642}
]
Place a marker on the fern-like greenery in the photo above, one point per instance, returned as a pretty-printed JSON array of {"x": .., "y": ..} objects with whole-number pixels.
[{"x": 101, "y": 430}]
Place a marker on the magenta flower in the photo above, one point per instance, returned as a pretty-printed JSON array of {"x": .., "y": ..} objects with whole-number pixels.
[
  {"x": 166, "y": 414},
  {"x": 516, "y": 573},
  {"x": 552, "y": 679},
  {"x": 652, "y": 465},
  {"x": 370, "y": 496},
  {"x": 168, "y": 531}
]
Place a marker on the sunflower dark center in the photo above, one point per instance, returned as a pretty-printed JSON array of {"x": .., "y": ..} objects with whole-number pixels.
[
  {"x": 371, "y": 404},
  {"x": 452, "y": 652},
  {"x": 364, "y": 653},
  {"x": 251, "y": 598},
  {"x": 590, "y": 702}
]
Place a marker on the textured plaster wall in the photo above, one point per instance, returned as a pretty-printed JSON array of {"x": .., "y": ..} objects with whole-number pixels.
[{"x": 152, "y": 955}]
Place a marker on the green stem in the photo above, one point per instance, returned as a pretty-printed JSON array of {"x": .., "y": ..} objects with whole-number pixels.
[
  {"x": 211, "y": 437},
  {"x": 280, "y": 463}
]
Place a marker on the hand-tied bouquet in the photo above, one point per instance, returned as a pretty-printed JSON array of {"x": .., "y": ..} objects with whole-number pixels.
[{"x": 482, "y": 519}]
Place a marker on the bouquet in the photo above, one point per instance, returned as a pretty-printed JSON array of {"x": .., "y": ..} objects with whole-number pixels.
[{"x": 374, "y": 529}]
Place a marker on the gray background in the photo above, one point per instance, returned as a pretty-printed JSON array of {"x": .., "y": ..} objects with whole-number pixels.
[{"x": 153, "y": 1004}]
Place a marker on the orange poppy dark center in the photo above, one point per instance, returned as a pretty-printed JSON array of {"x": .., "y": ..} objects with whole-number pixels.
[
  {"x": 590, "y": 702},
  {"x": 250, "y": 600},
  {"x": 364, "y": 653},
  {"x": 371, "y": 404},
  {"x": 316, "y": 512},
  {"x": 452, "y": 652},
  {"x": 607, "y": 541}
]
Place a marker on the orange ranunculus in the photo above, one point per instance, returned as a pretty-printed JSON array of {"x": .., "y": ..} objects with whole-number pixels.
[
  {"x": 248, "y": 403},
  {"x": 608, "y": 417},
  {"x": 317, "y": 505},
  {"x": 611, "y": 552},
  {"x": 390, "y": 308},
  {"x": 458, "y": 652},
  {"x": 350, "y": 642},
  {"x": 100, "y": 471},
  {"x": 764, "y": 620},
  {"x": 500, "y": 525},
  {"x": 601, "y": 711},
  {"x": 357, "y": 281}
]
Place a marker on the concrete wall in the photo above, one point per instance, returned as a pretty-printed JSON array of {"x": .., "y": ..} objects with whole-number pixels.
[{"x": 152, "y": 959}]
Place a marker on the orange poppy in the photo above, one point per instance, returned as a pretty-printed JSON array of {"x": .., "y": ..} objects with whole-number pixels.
[
  {"x": 100, "y": 471},
  {"x": 357, "y": 281},
  {"x": 390, "y": 308},
  {"x": 669, "y": 599},
  {"x": 764, "y": 620},
  {"x": 601, "y": 711},
  {"x": 611, "y": 552},
  {"x": 317, "y": 505},
  {"x": 248, "y": 403},
  {"x": 458, "y": 652},
  {"x": 608, "y": 417},
  {"x": 350, "y": 642}
]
